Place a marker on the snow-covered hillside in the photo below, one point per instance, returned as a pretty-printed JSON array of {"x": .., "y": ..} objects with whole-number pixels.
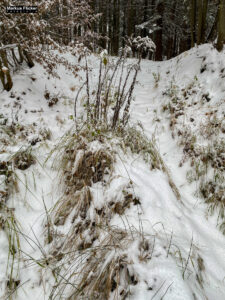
[{"x": 103, "y": 216}]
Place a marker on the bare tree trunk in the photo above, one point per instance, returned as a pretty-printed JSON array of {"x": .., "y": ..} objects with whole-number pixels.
[
  {"x": 124, "y": 22},
  {"x": 193, "y": 22},
  {"x": 114, "y": 41},
  {"x": 7, "y": 84},
  {"x": 202, "y": 13},
  {"x": 116, "y": 26},
  {"x": 204, "y": 20},
  {"x": 172, "y": 39},
  {"x": 103, "y": 23},
  {"x": 213, "y": 30},
  {"x": 221, "y": 26},
  {"x": 110, "y": 32},
  {"x": 20, "y": 54},
  {"x": 130, "y": 18},
  {"x": 28, "y": 58},
  {"x": 2, "y": 75},
  {"x": 145, "y": 33},
  {"x": 158, "y": 40},
  {"x": 199, "y": 21}
]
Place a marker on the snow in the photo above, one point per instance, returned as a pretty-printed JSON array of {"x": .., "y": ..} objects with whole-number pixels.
[
  {"x": 10, "y": 46},
  {"x": 103, "y": 53},
  {"x": 4, "y": 69},
  {"x": 175, "y": 229}
]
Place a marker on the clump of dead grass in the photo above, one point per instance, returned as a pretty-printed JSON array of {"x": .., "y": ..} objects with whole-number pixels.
[
  {"x": 107, "y": 269},
  {"x": 91, "y": 259},
  {"x": 88, "y": 159},
  {"x": 23, "y": 159},
  {"x": 9, "y": 225},
  {"x": 8, "y": 182},
  {"x": 103, "y": 270},
  {"x": 202, "y": 144}
]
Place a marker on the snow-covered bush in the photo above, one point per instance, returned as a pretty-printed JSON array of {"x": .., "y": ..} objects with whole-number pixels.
[{"x": 143, "y": 46}]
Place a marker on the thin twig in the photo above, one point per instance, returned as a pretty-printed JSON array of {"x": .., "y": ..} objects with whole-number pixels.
[
  {"x": 159, "y": 289},
  {"x": 169, "y": 244},
  {"x": 189, "y": 254},
  {"x": 166, "y": 291}
]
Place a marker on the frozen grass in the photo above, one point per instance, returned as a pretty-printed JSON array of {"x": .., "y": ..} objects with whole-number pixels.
[
  {"x": 104, "y": 222},
  {"x": 9, "y": 225},
  {"x": 203, "y": 146},
  {"x": 78, "y": 229}
]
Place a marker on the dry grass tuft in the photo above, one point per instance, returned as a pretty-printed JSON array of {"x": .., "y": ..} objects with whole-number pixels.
[
  {"x": 88, "y": 167},
  {"x": 8, "y": 182},
  {"x": 201, "y": 138},
  {"x": 9, "y": 225},
  {"x": 23, "y": 159},
  {"x": 92, "y": 255}
]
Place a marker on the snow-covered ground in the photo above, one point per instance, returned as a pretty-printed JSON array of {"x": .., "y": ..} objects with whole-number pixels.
[{"x": 175, "y": 250}]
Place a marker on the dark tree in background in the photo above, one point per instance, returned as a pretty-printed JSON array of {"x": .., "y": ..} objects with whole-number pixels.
[
  {"x": 193, "y": 22},
  {"x": 202, "y": 14},
  {"x": 174, "y": 25},
  {"x": 159, "y": 33},
  {"x": 221, "y": 25}
]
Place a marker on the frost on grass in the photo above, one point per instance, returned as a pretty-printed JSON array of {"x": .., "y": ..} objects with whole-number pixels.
[
  {"x": 111, "y": 226},
  {"x": 201, "y": 138},
  {"x": 10, "y": 227},
  {"x": 91, "y": 257},
  {"x": 81, "y": 229},
  {"x": 16, "y": 155}
]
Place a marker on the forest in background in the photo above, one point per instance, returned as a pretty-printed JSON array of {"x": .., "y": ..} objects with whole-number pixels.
[{"x": 175, "y": 26}]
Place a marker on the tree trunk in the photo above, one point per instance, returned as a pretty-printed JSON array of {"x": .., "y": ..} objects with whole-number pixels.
[
  {"x": 145, "y": 33},
  {"x": 204, "y": 20},
  {"x": 28, "y": 59},
  {"x": 103, "y": 27},
  {"x": 202, "y": 13},
  {"x": 114, "y": 41},
  {"x": 2, "y": 75},
  {"x": 193, "y": 22},
  {"x": 130, "y": 19},
  {"x": 158, "y": 40},
  {"x": 213, "y": 30},
  {"x": 20, "y": 54},
  {"x": 171, "y": 40},
  {"x": 199, "y": 21},
  {"x": 124, "y": 23},
  {"x": 110, "y": 32},
  {"x": 116, "y": 27},
  {"x": 221, "y": 26},
  {"x": 7, "y": 85}
]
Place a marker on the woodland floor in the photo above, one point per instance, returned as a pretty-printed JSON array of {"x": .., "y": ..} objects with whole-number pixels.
[{"x": 145, "y": 228}]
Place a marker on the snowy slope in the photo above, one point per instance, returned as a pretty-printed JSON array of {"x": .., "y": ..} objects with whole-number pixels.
[
  {"x": 181, "y": 71},
  {"x": 185, "y": 256}
]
